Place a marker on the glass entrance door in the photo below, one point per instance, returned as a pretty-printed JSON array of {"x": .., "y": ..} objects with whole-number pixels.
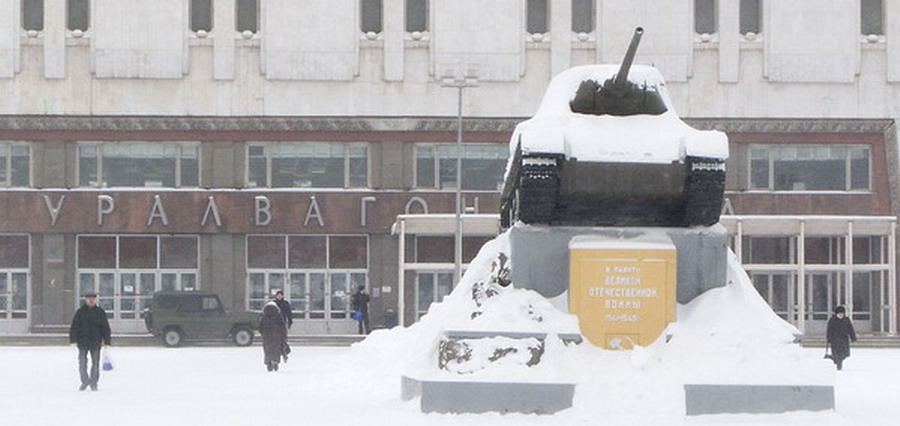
[
  {"x": 824, "y": 292},
  {"x": 124, "y": 294},
  {"x": 13, "y": 302},
  {"x": 431, "y": 287}
]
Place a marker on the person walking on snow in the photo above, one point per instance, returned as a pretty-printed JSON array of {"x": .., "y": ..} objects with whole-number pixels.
[
  {"x": 89, "y": 330},
  {"x": 360, "y": 303},
  {"x": 285, "y": 307},
  {"x": 839, "y": 333},
  {"x": 274, "y": 334}
]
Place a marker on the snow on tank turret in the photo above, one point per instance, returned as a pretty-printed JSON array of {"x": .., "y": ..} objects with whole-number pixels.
[{"x": 606, "y": 148}]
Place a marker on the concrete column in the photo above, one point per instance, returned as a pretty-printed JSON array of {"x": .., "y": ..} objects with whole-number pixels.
[
  {"x": 223, "y": 34},
  {"x": 729, "y": 41},
  {"x": 560, "y": 35},
  {"x": 54, "y": 39},
  {"x": 394, "y": 34}
]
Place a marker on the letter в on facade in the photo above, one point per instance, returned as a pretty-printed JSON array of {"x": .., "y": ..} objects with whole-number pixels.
[
  {"x": 212, "y": 207},
  {"x": 263, "y": 208},
  {"x": 363, "y": 216},
  {"x": 158, "y": 212},
  {"x": 54, "y": 211},
  {"x": 313, "y": 212},
  {"x": 105, "y": 206}
]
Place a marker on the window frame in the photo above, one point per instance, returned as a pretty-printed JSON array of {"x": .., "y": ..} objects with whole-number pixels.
[
  {"x": 346, "y": 147},
  {"x": 362, "y": 17},
  {"x": 7, "y": 148},
  {"x": 437, "y": 169},
  {"x": 69, "y": 19},
  {"x": 43, "y": 9},
  {"x": 881, "y": 31},
  {"x": 15, "y": 314},
  {"x": 593, "y": 17},
  {"x": 237, "y": 14},
  {"x": 547, "y": 17},
  {"x": 770, "y": 158},
  {"x": 715, "y": 17},
  {"x": 327, "y": 271},
  {"x": 406, "y": 23},
  {"x": 179, "y": 156},
  {"x": 212, "y": 16}
]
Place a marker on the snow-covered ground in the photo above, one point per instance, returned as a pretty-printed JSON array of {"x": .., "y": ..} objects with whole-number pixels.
[{"x": 329, "y": 386}]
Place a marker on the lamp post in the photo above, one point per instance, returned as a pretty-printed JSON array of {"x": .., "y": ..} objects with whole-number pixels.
[{"x": 470, "y": 79}]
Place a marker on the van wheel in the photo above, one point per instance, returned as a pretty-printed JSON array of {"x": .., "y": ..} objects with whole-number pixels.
[
  {"x": 242, "y": 336},
  {"x": 172, "y": 337}
]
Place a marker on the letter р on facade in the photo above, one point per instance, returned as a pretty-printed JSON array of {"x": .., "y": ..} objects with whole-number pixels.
[{"x": 623, "y": 293}]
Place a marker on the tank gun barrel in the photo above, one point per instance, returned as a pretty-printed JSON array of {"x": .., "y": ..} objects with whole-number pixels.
[{"x": 622, "y": 75}]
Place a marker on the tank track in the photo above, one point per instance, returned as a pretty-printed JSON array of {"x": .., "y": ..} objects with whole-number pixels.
[
  {"x": 704, "y": 191},
  {"x": 537, "y": 191}
]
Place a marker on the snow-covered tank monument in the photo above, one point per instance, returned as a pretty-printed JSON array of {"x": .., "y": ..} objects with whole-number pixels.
[{"x": 610, "y": 208}]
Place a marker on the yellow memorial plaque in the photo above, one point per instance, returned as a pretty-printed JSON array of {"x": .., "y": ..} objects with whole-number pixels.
[{"x": 623, "y": 292}]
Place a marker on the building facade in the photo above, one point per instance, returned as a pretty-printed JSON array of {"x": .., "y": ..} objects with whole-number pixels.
[{"x": 245, "y": 146}]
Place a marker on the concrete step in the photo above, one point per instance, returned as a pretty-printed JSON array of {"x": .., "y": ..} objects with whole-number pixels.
[
  {"x": 62, "y": 339},
  {"x": 892, "y": 342}
]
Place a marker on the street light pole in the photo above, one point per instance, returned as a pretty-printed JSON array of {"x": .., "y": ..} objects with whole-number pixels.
[
  {"x": 468, "y": 80},
  {"x": 457, "y": 242}
]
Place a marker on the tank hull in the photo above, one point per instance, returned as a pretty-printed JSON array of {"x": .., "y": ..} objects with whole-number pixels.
[{"x": 555, "y": 191}]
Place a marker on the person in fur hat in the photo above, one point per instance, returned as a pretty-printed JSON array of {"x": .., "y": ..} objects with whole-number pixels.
[
  {"x": 839, "y": 333},
  {"x": 274, "y": 334}
]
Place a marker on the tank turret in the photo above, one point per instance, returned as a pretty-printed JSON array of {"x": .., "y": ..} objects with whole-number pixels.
[
  {"x": 607, "y": 149},
  {"x": 617, "y": 95}
]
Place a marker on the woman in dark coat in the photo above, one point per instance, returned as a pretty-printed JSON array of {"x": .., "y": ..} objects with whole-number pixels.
[
  {"x": 839, "y": 333},
  {"x": 274, "y": 333}
]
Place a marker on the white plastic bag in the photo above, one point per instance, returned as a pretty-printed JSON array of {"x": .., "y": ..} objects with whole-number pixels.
[{"x": 107, "y": 361}]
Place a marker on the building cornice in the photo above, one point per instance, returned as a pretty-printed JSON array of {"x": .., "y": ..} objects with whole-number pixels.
[{"x": 123, "y": 123}]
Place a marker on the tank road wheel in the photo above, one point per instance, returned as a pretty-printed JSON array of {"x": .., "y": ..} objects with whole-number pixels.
[
  {"x": 538, "y": 190},
  {"x": 704, "y": 192}
]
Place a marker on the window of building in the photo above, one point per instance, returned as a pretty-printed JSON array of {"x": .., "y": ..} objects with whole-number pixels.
[
  {"x": 15, "y": 164},
  {"x": 582, "y": 16},
  {"x": 247, "y": 15},
  {"x": 440, "y": 249},
  {"x": 78, "y": 15},
  {"x": 872, "y": 17},
  {"x": 317, "y": 273},
  {"x": 810, "y": 167},
  {"x": 537, "y": 17},
  {"x": 126, "y": 270},
  {"x": 416, "y": 15},
  {"x": 705, "y": 16},
  {"x": 14, "y": 276},
  {"x": 431, "y": 287},
  {"x": 370, "y": 16},
  {"x": 33, "y": 15},
  {"x": 482, "y": 166},
  {"x": 139, "y": 164},
  {"x": 769, "y": 250},
  {"x": 201, "y": 15},
  {"x": 751, "y": 16},
  {"x": 308, "y": 165}
]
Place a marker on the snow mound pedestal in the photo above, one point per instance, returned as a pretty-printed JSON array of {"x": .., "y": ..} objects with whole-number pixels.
[{"x": 727, "y": 336}]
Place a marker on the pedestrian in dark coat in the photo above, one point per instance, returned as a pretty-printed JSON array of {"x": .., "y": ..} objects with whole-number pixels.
[
  {"x": 89, "y": 330},
  {"x": 360, "y": 303},
  {"x": 285, "y": 307},
  {"x": 274, "y": 334},
  {"x": 839, "y": 334}
]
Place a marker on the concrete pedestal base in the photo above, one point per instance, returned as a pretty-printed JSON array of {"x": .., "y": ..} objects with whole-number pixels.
[
  {"x": 756, "y": 399},
  {"x": 444, "y": 396},
  {"x": 540, "y": 256}
]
